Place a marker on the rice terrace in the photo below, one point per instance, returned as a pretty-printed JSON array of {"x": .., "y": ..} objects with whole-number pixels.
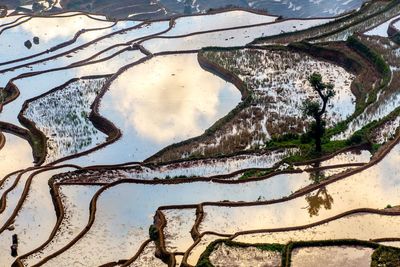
[{"x": 152, "y": 133}]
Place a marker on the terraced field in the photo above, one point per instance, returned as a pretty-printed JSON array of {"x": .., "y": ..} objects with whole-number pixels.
[
  {"x": 131, "y": 141},
  {"x": 161, "y": 9}
]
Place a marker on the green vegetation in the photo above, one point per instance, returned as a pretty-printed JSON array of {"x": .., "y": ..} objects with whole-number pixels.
[
  {"x": 304, "y": 142},
  {"x": 255, "y": 173},
  {"x": 371, "y": 55},
  {"x": 386, "y": 257},
  {"x": 285, "y": 140},
  {"x": 379, "y": 63},
  {"x": 62, "y": 117},
  {"x": 39, "y": 144},
  {"x": 306, "y": 148},
  {"x": 2, "y": 96},
  {"x": 362, "y": 136},
  {"x": 233, "y": 60},
  {"x": 153, "y": 232},
  {"x": 383, "y": 68},
  {"x": 7, "y": 93}
]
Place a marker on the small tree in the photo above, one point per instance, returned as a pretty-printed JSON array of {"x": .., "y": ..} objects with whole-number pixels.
[{"x": 314, "y": 109}]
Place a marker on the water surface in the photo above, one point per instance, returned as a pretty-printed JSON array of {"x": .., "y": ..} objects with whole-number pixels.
[{"x": 165, "y": 100}]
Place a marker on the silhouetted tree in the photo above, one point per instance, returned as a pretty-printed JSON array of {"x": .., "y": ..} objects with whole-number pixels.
[{"x": 313, "y": 108}]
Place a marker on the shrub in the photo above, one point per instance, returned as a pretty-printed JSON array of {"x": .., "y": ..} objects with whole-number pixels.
[
  {"x": 153, "y": 232},
  {"x": 386, "y": 256},
  {"x": 355, "y": 139}
]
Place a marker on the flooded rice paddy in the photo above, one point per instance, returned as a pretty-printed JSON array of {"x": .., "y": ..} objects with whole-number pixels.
[
  {"x": 167, "y": 8},
  {"x": 141, "y": 142},
  {"x": 224, "y": 255}
]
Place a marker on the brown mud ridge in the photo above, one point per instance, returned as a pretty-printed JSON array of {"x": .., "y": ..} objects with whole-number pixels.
[
  {"x": 106, "y": 174},
  {"x": 337, "y": 23},
  {"x": 34, "y": 134},
  {"x": 113, "y": 133},
  {"x": 54, "y": 48},
  {"x": 37, "y": 142},
  {"x": 36, "y": 137},
  {"x": 149, "y": 10},
  {"x": 65, "y": 14},
  {"x": 160, "y": 221},
  {"x": 2, "y": 140},
  {"x": 21, "y": 20},
  {"x": 134, "y": 42},
  {"x": 367, "y": 11},
  {"x": 102, "y": 123},
  {"x": 392, "y": 30},
  {"x": 11, "y": 93},
  {"x": 197, "y": 235}
]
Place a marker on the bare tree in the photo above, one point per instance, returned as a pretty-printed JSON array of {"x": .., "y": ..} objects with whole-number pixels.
[{"x": 314, "y": 109}]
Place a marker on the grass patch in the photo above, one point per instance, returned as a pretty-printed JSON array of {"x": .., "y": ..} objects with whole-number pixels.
[
  {"x": 255, "y": 173},
  {"x": 382, "y": 67},
  {"x": 380, "y": 64},
  {"x": 306, "y": 150}
]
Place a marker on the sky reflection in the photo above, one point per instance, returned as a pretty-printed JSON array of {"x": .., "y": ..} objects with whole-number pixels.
[
  {"x": 15, "y": 155},
  {"x": 165, "y": 100}
]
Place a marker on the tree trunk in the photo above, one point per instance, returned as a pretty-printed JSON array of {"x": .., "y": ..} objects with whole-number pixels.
[{"x": 318, "y": 134}]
